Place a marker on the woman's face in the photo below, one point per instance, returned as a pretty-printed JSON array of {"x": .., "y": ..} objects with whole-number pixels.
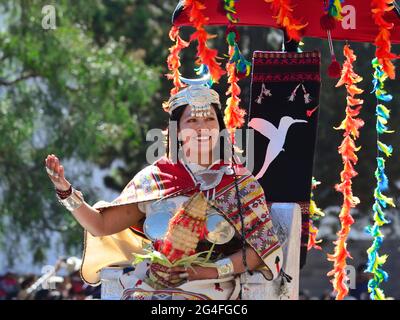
[{"x": 199, "y": 136}]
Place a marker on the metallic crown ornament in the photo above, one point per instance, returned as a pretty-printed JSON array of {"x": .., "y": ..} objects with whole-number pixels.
[{"x": 197, "y": 94}]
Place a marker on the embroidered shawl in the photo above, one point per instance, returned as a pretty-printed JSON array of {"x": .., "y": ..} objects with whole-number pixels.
[{"x": 166, "y": 179}]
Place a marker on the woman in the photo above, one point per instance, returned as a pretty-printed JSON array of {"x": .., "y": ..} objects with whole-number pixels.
[{"x": 246, "y": 241}]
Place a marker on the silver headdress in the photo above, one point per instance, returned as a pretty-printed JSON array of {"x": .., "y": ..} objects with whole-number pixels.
[{"x": 197, "y": 94}]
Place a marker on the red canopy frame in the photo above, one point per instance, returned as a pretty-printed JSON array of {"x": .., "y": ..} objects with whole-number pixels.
[{"x": 357, "y": 13}]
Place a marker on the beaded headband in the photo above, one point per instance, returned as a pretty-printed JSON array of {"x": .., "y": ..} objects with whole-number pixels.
[{"x": 197, "y": 94}]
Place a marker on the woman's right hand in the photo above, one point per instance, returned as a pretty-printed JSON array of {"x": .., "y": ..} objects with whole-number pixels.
[{"x": 53, "y": 166}]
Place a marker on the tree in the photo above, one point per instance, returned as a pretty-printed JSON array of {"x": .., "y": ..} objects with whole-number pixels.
[{"x": 66, "y": 91}]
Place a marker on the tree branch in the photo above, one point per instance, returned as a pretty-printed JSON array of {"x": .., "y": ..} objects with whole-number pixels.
[
  {"x": 4, "y": 57},
  {"x": 4, "y": 82}
]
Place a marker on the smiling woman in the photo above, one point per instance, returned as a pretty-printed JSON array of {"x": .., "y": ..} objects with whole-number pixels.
[
  {"x": 199, "y": 136},
  {"x": 194, "y": 226}
]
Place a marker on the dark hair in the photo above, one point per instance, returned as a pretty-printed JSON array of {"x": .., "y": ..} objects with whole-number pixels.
[{"x": 176, "y": 115}]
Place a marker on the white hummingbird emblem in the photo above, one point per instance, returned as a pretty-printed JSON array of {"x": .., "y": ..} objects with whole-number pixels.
[{"x": 276, "y": 136}]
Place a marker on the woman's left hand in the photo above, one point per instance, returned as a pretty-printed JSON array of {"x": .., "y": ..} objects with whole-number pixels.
[{"x": 193, "y": 273}]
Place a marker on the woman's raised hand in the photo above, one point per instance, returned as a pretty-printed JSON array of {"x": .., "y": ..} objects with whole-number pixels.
[{"x": 55, "y": 172}]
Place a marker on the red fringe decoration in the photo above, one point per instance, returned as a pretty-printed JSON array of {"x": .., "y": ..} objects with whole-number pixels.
[
  {"x": 382, "y": 40},
  {"x": 173, "y": 60},
  {"x": 234, "y": 115},
  {"x": 206, "y": 55},
  {"x": 282, "y": 10},
  {"x": 347, "y": 149}
]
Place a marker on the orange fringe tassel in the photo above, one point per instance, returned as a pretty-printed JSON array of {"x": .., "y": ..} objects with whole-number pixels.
[
  {"x": 382, "y": 40},
  {"x": 234, "y": 115},
  {"x": 284, "y": 18},
  {"x": 173, "y": 60},
  {"x": 312, "y": 240},
  {"x": 347, "y": 149},
  {"x": 315, "y": 214},
  {"x": 206, "y": 55}
]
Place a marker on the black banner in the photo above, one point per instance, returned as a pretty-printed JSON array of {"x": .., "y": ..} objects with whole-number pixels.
[{"x": 284, "y": 113}]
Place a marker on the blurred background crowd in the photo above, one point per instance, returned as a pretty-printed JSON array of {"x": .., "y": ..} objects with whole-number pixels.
[
  {"x": 63, "y": 282},
  {"x": 59, "y": 282}
]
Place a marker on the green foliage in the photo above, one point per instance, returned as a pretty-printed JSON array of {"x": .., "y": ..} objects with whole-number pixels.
[{"x": 65, "y": 93}]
